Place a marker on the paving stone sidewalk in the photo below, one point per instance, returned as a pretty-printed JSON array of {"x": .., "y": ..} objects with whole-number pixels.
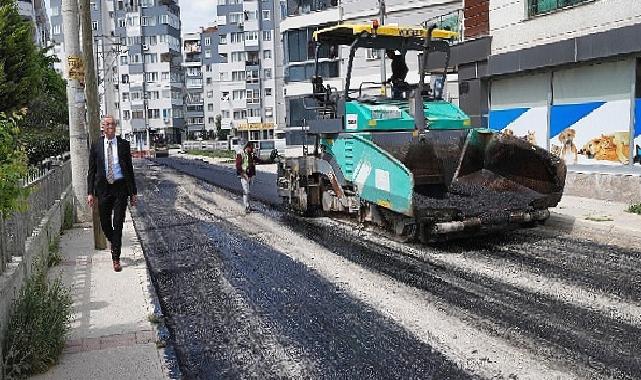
[{"x": 111, "y": 336}]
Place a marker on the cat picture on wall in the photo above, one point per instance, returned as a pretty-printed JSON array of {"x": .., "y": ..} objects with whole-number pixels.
[{"x": 613, "y": 147}]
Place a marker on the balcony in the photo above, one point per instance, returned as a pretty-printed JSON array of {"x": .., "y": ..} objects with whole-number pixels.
[
  {"x": 252, "y": 63},
  {"x": 302, "y": 7}
]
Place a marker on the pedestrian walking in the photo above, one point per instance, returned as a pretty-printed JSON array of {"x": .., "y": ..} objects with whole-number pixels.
[
  {"x": 111, "y": 180},
  {"x": 246, "y": 161}
]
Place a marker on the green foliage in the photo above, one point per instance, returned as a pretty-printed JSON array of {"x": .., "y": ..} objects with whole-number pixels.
[
  {"x": 42, "y": 143},
  {"x": 48, "y": 109},
  {"x": 13, "y": 166},
  {"x": 222, "y": 134},
  {"x": 37, "y": 327},
  {"x": 54, "y": 257},
  {"x": 21, "y": 74},
  {"x": 68, "y": 218},
  {"x": 636, "y": 209},
  {"x": 214, "y": 153}
]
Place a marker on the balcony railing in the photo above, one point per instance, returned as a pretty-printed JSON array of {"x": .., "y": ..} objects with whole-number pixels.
[
  {"x": 538, "y": 7},
  {"x": 450, "y": 21}
]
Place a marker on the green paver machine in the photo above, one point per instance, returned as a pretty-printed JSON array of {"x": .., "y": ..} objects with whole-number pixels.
[{"x": 414, "y": 166}]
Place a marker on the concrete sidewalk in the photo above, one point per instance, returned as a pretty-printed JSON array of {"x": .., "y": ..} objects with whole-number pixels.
[
  {"x": 607, "y": 219},
  {"x": 110, "y": 337}
]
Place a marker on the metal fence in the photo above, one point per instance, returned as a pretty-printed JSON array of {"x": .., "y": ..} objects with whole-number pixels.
[{"x": 46, "y": 182}]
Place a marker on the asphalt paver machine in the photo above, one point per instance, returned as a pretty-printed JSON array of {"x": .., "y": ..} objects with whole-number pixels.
[{"x": 414, "y": 166}]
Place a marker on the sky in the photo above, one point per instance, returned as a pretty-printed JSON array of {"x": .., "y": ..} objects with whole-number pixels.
[
  {"x": 193, "y": 13},
  {"x": 197, "y": 13}
]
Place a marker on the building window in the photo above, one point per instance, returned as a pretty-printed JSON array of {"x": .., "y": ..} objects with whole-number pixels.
[
  {"x": 207, "y": 53},
  {"x": 153, "y": 113},
  {"x": 373, "y": 53},
  {"x": 251, "y": 36},
  {"x": 165, "y": 75},
  {"x": 267, "y": 54},
  {"x": 151, "y": 77},
  {"x": 267, "y": 73},
  {"x": 267, "y": 35},
  {"x": 238, "y": 56},
  {"x": 55, "y": 11},
  {"x": 545, "y": 6},
  {"x": 237, "y": 76},
  {"x": 268, "y": 91},
  {"x": 224, "y": 114},
  {"x": 207, "y": 41},
  {"x": 126, "y": 115},
  {"x": 94, "y": 25},
  {"x": 267, "y": 15},
  {"x": 125, "y": 96},
  {"x": 236, "y": 37},
  {"x": 210, "y": 107},
  {"x": 222, "y": 40},
  {"x": 210, "y": 94},
  {"x": 253, "y": 96},
  {"x": 125, "y": 78},
  {"x": 151, "y": 58},
  {"x": 121, "y": 22},
  {"x": 252, "y": 76},
  {"x": 238, "y": 94},
  {"x": 56, "y": 29}
]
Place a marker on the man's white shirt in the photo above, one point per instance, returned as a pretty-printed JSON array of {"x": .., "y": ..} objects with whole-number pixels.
[{"x": 116, "y": 163}]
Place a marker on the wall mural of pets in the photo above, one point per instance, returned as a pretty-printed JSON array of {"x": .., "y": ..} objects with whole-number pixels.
[
  {"x": 613, "y": 147},
  {"x": 531, "y": 137},
  {"x": 567, "y": 142},
  {"x": 508, "y": 132}
]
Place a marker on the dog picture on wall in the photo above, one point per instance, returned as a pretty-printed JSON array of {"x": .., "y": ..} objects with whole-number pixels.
[{"x": 567, "y": 143}]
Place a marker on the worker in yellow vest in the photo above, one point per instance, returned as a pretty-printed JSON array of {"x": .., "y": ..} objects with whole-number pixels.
[{"x": 246, "y": 161}]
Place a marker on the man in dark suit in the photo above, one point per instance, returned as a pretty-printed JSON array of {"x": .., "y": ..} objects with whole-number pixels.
[{"x": 111, "y": 179}]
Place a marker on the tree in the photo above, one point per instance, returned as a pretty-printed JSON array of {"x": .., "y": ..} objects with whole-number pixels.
[
  {"x": 218, "y": 124},
  {"x": 13, "y": 167},
  {"x": 222, "y": 134},
  {"x": 49, "y": 107},
  {"x": 21, "y": 73},
  {"x": 44, "y": 131}
]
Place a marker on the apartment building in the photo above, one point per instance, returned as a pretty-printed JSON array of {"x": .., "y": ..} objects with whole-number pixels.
[
  {"x": 247, "y": 48},
  {"x": 193, "y": 95},
  {"x": 566, "y": 71},
  {"x": 36, "y": 12},
  {"x": 138, "y": 64},
  {"x": 149, "y": 68}
]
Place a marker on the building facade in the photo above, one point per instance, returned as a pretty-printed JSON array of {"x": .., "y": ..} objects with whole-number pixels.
[
  {"x": 36, "y": 12},
  {"x": 246, "y": 90},
  {"x": 138, "y": 65},
  {"x": 567, "y": 72},
  {"x": 193, "y": 95}
]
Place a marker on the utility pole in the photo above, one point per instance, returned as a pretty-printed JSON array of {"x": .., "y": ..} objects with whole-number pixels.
[
  {"x": 93, "y": 104},
  {"x": 381, "y": 9},
  {"x": 74, "y": 72}
]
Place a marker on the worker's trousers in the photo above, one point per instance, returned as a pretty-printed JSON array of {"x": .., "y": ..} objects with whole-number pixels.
[{"x": 245, "y": 181}]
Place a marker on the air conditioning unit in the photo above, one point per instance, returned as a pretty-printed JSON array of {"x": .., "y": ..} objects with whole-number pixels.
[
  {"x": 145, "y": 47},
  {"x": 166, "y": 120}
]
